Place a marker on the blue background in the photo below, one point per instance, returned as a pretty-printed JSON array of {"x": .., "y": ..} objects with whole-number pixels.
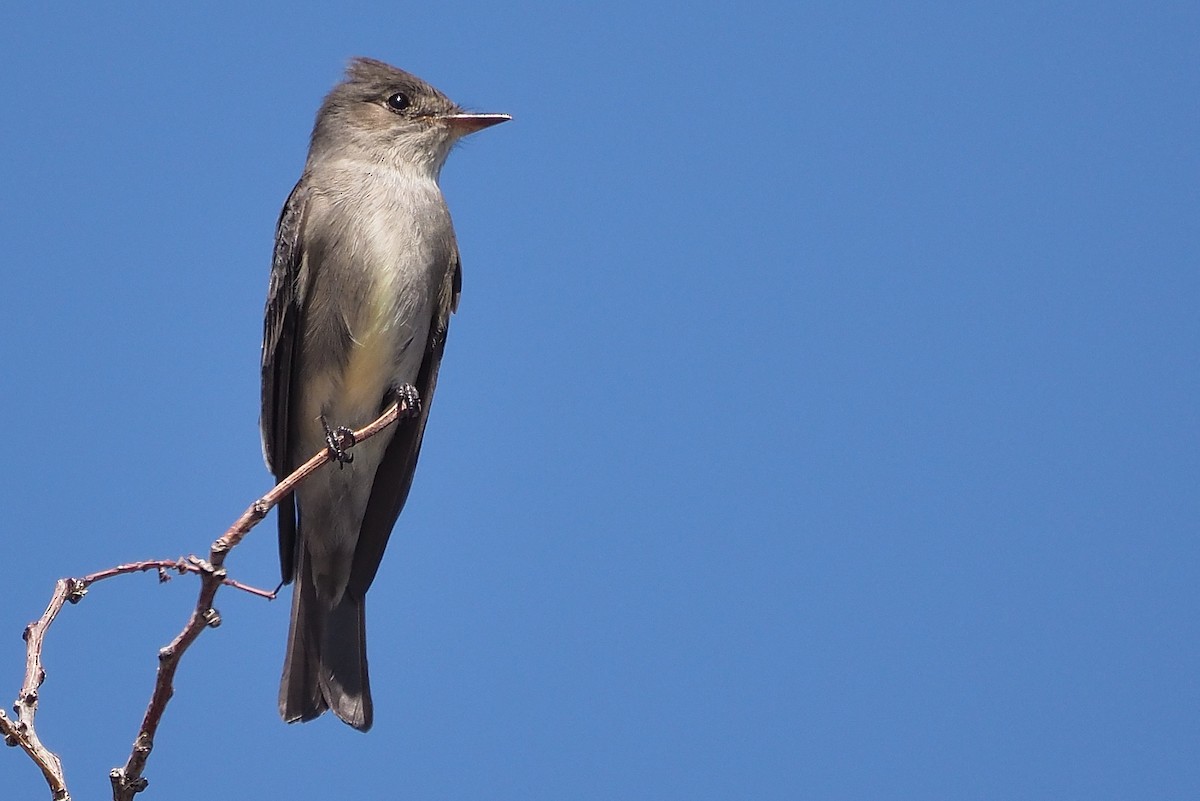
[{"x": 820, "y": 419}]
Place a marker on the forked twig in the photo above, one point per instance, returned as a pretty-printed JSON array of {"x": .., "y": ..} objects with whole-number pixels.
[
  {"x": 128, "y": 781},
  {"x": 21, "y": 732}
]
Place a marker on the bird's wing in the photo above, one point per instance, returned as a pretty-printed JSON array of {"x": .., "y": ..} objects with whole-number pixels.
[
  {"x": 281, "y": 327},
  {"x": 395, "y": 474}
]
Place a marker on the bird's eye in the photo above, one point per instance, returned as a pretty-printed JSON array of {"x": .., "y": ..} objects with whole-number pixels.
[{"x": 398, "y": 102}]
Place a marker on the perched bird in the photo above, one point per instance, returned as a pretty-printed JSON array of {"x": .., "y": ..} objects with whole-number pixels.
[{"x": 364, "y": 279}]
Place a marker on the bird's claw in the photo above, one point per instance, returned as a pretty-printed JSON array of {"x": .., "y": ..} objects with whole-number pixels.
[
  {"x": 340, "y": 440},
  {"x": 408, "y": 401}
]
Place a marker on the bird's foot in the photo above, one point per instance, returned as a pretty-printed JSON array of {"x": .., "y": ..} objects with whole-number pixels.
[
  {"x": 407, "y": 400},
  {"x": 340, "y": 440}
]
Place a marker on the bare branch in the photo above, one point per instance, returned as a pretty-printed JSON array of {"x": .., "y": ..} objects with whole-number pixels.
[
  {"x": 128, "y": 780},
  {"x": 22, "y": 732},
  {"x": 182, "y": 565}
]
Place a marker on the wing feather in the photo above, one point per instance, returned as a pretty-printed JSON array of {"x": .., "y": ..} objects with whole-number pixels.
[
  {"x": 281, "y": 327},
  {"x": 394, "y": 477}
]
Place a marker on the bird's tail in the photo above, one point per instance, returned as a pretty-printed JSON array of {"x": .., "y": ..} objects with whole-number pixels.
[{"x": 326, "y": 662}]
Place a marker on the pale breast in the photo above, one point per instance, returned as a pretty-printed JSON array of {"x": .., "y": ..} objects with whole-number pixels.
[{"x": 380, "y": 247}]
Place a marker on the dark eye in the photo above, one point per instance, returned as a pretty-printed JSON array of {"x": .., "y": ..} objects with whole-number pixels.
[{"x": 398, "y": 102}]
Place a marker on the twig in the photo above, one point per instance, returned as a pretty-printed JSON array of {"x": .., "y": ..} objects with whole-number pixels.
[
  {"x": 128, "y": 780},
  {"x": 21, "y": 732},
  {"x": 189, "y": 564}
]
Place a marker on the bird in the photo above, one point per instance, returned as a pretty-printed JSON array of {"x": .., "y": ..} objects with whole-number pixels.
[{"x": 365, "y": 275}]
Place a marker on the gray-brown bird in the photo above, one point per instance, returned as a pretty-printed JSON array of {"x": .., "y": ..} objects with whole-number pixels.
[{"x": 364, "y": 279}]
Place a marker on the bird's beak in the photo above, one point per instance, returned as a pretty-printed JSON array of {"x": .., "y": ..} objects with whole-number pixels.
[{"x": 463, "y": 124}]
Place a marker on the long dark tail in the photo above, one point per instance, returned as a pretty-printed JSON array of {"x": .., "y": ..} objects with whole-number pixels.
[{"x": 326, "y": 663}]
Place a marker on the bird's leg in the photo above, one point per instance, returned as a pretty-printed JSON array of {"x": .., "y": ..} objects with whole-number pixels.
[
  {"x": 409, "y": 401},
  {"x": 340, "y": 440}
]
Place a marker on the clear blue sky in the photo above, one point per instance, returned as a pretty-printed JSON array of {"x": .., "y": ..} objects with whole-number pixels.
[{"x": 820, "y": 420}]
